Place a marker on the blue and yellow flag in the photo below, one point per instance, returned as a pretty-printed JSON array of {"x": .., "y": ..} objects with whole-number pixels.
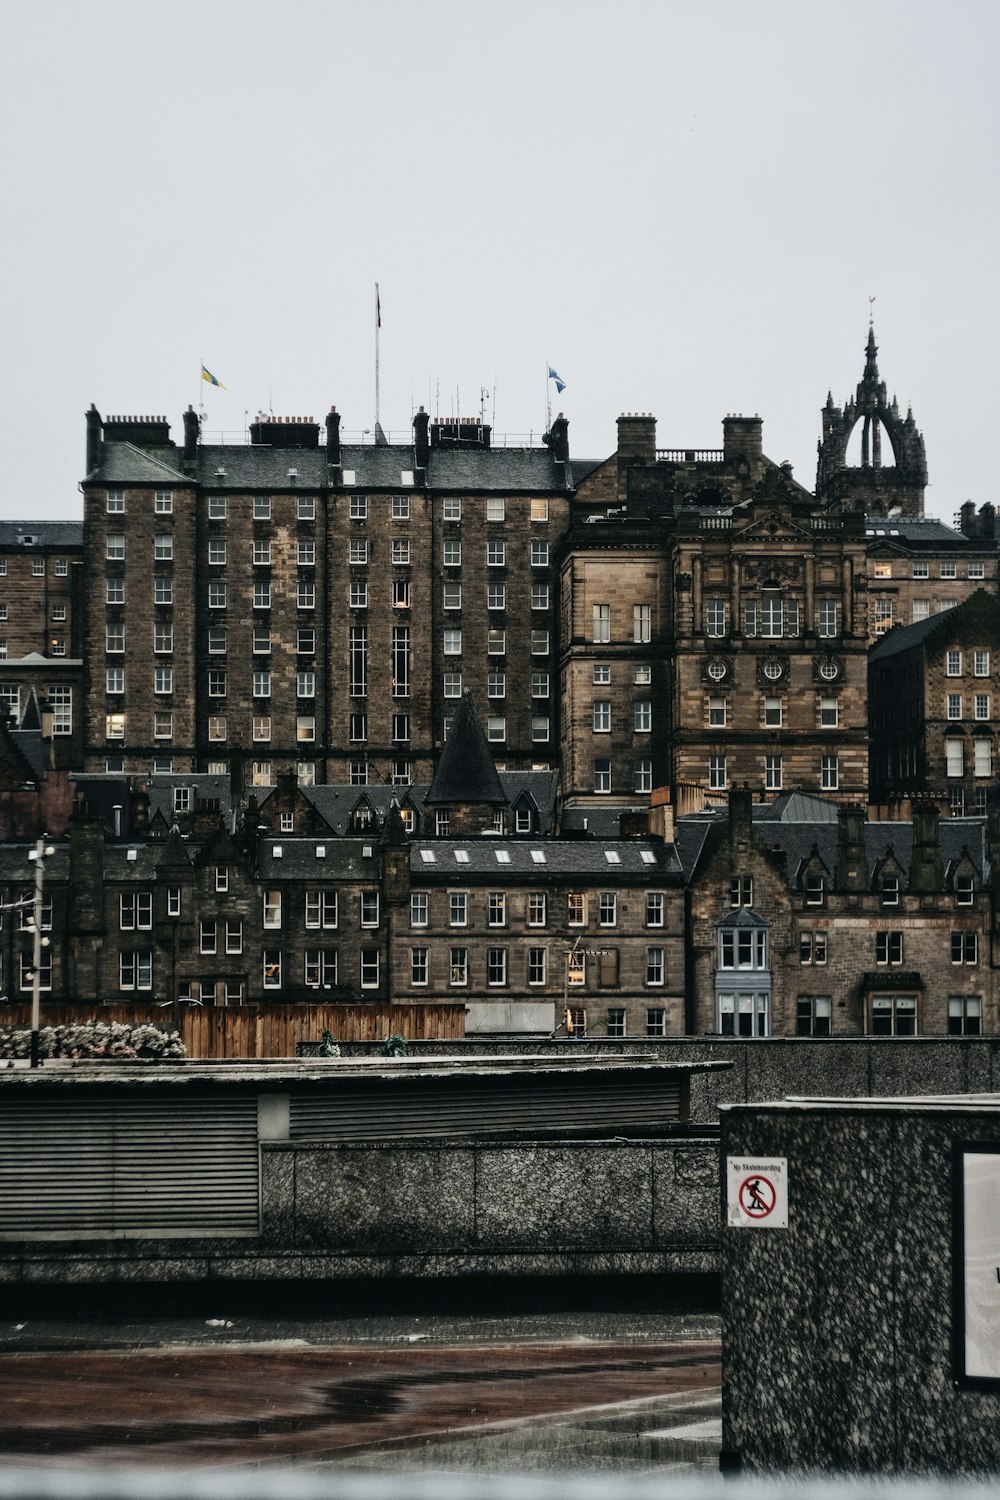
[{"x": 207, "y": 375}]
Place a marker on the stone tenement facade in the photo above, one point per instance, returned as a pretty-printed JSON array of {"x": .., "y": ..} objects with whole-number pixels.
[
  {"x": 772, "y": 919},
  {"x": 297, "y": 604},
  {"x": 934, "y": 689},
  {"x": 41, "y": 595},
  {"x": 315, "y": 608}
]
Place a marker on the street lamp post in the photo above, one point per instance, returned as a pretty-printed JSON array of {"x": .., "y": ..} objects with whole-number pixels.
[{"x": 38, "y": 854}]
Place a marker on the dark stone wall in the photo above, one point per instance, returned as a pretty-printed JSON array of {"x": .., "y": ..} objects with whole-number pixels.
[{"x": 837, "y": 1329}]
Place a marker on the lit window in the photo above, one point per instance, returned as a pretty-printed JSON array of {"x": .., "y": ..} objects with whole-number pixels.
[{"x": 459, "y": 966}]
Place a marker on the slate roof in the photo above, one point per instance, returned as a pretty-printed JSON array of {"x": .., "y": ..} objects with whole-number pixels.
[
  {"x": 526, "y": 470},
  {"x": 914, "y": 529},
  {"x": 374, "y": 466},
  {"x": 381, "y": 467},
  {"x": 344, "y": 859},
  {"x": 795, "y": 807},
  {"x": 336, "y": 803},
  {"x": 797, "y": 841},
  {"x": 597, "y": 822},
  {"x": 206, "y": 789},
  {"x": 126, "y": 463},
  {"x": 905, "y": 637},
  {"x": 45, "y": 533},
  {"x": 563, "y": 857}
]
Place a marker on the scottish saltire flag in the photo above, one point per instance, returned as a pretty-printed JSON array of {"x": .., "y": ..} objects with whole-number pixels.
[
  {"x": 207, "y": 375},
  {"x": 560, "y": 383}
]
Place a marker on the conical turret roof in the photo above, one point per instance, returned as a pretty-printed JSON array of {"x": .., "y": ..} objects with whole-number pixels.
[{"x": 466, "y": 772}]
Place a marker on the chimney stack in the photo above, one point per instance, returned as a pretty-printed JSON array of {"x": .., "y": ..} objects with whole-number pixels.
[
  {"x": 94, "y": 433},
  {"x": 557, "y": 438},
  {"x": 421, "y": 442},
  {"x": 333, "y": 438},
  {"x": 192, "y": 428}
]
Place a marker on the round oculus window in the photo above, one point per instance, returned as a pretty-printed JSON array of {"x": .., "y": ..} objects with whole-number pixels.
[
  {"x": 717, "y": 670},
  {"x": 773, "y": 670},
  {"x": 829, "y": 670}
]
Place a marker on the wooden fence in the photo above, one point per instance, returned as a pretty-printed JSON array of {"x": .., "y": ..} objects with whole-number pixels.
[{"x": 265, "y": 1030}]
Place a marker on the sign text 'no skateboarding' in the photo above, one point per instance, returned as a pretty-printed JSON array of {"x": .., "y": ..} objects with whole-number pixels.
[{"x": 757, "y": 1192}]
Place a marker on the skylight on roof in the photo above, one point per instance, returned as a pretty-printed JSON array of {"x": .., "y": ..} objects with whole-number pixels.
[
  {"x": 428, "y": 856},
  {"x": 461, "y": 856},
  {"x": 647, "y": 856},
  {"x": 132, "y": 854},
  {"x": 276, "y": 851},
  {"x": 502, "y": 856},
  {"x": 538, "y": 856},
  {"x": 612, "y": 856}
]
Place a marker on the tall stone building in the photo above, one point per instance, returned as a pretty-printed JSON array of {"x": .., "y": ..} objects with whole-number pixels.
[
  {"x": 714, "y": 625},
  {"x": 292, "y": 604}
]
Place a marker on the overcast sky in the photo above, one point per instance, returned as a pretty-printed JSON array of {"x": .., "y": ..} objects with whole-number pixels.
[{"x": 684, "y": 208}]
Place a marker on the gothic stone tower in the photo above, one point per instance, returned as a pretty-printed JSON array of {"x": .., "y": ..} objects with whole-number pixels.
[{"x": 896, "y": 487}]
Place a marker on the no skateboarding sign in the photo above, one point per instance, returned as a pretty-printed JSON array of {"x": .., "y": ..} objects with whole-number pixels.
[{"x": 757, "y": 1192}]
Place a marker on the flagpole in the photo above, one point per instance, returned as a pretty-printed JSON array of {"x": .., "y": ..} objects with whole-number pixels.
[
  {"x": 378, "y": 324},
  {"x": 548, "y": 400}
]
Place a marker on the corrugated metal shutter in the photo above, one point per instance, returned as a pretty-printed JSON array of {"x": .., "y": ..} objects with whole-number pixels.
[
  {"x": 393, "y": 1110},
  {"x": 150, "y": 1164}
]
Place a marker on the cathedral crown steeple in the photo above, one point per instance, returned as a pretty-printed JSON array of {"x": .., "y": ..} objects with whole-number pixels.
[{"x": 893, "y": 480}]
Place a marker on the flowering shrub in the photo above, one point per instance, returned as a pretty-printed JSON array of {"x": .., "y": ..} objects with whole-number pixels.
[{"x": 114, "y": 1039}]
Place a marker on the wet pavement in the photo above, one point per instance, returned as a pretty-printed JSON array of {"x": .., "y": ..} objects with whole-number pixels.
[{"x": 541, "y": 1392}]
